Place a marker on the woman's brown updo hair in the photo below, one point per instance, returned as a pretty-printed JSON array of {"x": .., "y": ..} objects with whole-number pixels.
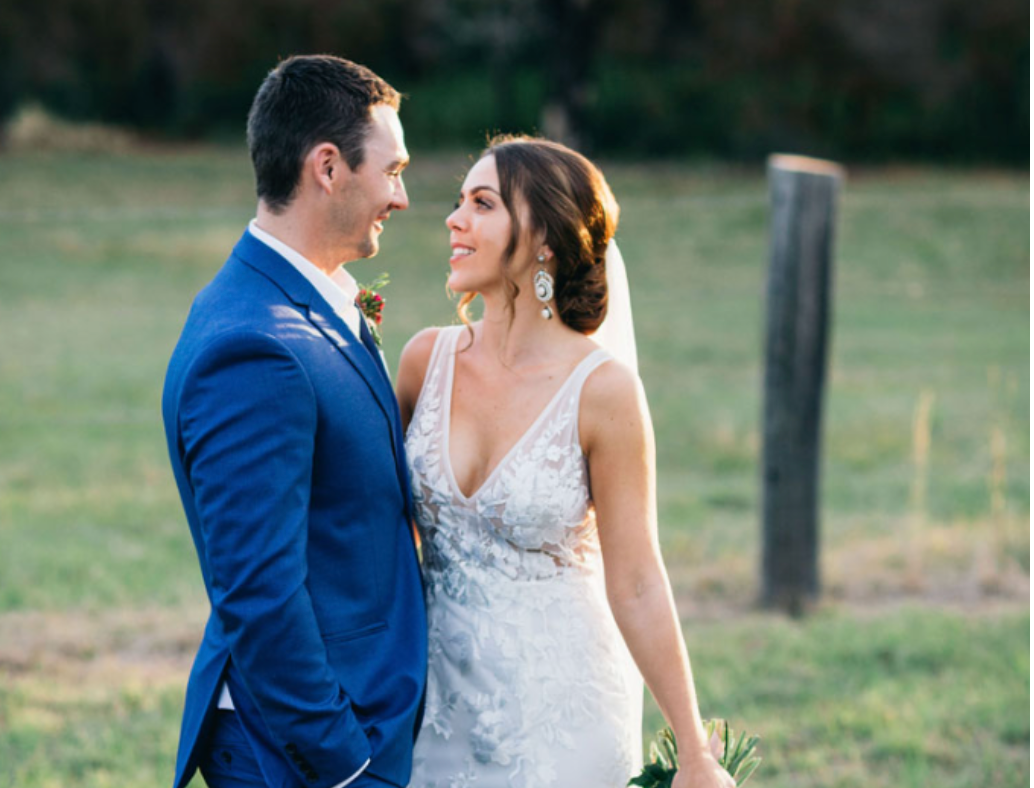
[{"x": 571, "y": 209}]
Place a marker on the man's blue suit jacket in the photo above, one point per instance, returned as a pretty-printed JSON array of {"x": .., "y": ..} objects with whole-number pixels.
[{"x": 287, "y": 448}]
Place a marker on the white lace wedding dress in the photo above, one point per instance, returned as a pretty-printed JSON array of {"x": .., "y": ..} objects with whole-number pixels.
[{"x": 530, "y": 684}]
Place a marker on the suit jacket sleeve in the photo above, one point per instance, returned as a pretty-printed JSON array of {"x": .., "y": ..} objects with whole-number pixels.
[{"x": 248, "y": 421}]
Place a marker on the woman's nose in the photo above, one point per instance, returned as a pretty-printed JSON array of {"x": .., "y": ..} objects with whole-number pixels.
[{"x": 454, "y": 220}]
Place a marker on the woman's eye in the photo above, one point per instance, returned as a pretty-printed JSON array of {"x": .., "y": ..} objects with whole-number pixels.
[{"x": 481, "y": 202}]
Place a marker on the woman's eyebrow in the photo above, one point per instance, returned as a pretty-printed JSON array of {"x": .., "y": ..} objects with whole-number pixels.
[{"x": 475, "y": 189}]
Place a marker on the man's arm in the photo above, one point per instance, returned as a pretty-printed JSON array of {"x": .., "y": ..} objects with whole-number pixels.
[{"x": 247, "y": 424}]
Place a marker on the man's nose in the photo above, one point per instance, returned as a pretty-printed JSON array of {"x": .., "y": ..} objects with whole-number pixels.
[{"x": 401, "y": 199}]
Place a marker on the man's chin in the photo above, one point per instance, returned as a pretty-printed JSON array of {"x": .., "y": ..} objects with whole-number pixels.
[{"x": 369, "y": 249}]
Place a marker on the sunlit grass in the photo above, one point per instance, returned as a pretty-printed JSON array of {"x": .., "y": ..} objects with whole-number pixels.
[
  {"x": 100, "y": 256},
  {"x": 907, "y": 697}
]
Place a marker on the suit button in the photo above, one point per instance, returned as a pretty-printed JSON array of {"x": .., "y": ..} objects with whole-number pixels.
[
  {"x": 291, "y": 748},
  {"x": 312, "y": 776}
]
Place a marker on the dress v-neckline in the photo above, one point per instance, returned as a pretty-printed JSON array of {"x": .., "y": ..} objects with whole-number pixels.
[{"x": 447, "y": 425}]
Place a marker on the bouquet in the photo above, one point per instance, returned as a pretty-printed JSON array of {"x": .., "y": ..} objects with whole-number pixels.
[{"x": 737, "y": 755}]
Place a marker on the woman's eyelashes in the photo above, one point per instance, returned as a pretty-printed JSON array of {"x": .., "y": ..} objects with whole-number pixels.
[{"x": 479, "y": 202}]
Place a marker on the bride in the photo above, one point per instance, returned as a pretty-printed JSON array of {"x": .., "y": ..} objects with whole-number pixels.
[{"x": 532, "y": 462}]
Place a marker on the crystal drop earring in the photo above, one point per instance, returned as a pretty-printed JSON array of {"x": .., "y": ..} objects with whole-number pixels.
[{"x": 544, "y": 288}]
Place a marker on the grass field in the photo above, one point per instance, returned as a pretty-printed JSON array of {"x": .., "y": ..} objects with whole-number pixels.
[{"x": 913, "y": 672}]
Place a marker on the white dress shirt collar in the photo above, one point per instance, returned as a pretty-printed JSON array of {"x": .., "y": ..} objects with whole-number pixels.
[{"x": 339, "y": 290}]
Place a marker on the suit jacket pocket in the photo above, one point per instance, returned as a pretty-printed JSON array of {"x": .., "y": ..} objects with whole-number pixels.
[{"x": 354, "y": 634}]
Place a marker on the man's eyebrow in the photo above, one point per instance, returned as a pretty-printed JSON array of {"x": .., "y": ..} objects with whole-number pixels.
[{"x": 399, "y": 164}]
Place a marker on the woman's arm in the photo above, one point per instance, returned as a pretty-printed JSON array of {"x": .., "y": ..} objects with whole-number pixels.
[
  {"x": 412, "y": 368},
  {"x": 617, "y": 436}
]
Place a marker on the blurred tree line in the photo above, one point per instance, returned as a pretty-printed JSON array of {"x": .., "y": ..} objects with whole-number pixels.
[{"x": 851, "y": 79}]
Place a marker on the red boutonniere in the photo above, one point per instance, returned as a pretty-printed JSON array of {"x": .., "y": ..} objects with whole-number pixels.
[{"x": 371, "y": 304}]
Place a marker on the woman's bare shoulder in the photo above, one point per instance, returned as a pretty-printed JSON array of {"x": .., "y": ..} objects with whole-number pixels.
[
  {"x": 420, "y": 345},
  {"x": 612, "y": 392}
]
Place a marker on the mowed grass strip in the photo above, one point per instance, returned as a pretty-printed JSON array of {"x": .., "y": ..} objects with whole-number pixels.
[{"x": 887, "y": 697}]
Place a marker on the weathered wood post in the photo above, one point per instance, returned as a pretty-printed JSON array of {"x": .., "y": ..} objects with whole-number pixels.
[{"x": 803, "y": 195}]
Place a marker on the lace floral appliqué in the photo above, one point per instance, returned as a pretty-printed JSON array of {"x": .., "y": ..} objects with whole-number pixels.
[{"x": 530, "y": 684}]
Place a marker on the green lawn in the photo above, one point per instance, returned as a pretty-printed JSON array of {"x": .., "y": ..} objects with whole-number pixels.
[{"x": 914, "y": 672}]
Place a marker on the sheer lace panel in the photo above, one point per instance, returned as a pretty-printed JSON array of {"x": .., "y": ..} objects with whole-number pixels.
[{"x": 530, "y": 684}]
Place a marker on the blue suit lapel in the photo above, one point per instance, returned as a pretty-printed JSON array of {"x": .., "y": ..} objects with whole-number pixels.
[
  {"x": 396, "y": 424},
  {"x": 371, "y": 346},
  {"x": 300, "y": 291},
  {"x": 334, "y": 329},
  {"x": 362, "y": 353},
  {"x": 366, "y": 358}
]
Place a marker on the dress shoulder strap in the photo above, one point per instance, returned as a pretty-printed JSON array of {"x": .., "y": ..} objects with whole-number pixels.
[
  {"x": 444, "y": 347},
  {"x": 586, "y": 367},
  {"x": 569, "y": 398},
  {"x": 438, "y": 375}
]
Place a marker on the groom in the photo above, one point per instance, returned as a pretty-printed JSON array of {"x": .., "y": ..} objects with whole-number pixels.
[{"x": 287, "y": 449}]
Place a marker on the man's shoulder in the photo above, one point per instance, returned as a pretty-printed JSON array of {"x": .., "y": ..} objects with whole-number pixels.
[
  {"x": 240, "y": 295},
  {"x": 238, "y": 312}
]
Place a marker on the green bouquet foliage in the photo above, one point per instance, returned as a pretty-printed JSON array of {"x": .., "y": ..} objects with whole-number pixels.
[{"x": 738, "y": 755}]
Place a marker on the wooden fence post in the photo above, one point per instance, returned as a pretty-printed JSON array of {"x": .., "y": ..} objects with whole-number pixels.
[{"x": 803, "y": 195}]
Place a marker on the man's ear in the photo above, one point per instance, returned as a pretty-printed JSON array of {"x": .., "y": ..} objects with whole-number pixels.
[{"x": 325, "y": 165}]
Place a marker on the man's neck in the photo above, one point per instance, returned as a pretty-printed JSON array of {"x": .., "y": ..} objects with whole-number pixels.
[{"x": 295, "y": 229}]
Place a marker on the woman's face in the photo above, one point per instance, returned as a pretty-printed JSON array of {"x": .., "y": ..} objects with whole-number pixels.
[{"x": 479, "y": 232}]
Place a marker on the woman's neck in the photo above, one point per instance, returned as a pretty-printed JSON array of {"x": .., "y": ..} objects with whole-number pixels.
[{"x": 522, "y": 337}]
